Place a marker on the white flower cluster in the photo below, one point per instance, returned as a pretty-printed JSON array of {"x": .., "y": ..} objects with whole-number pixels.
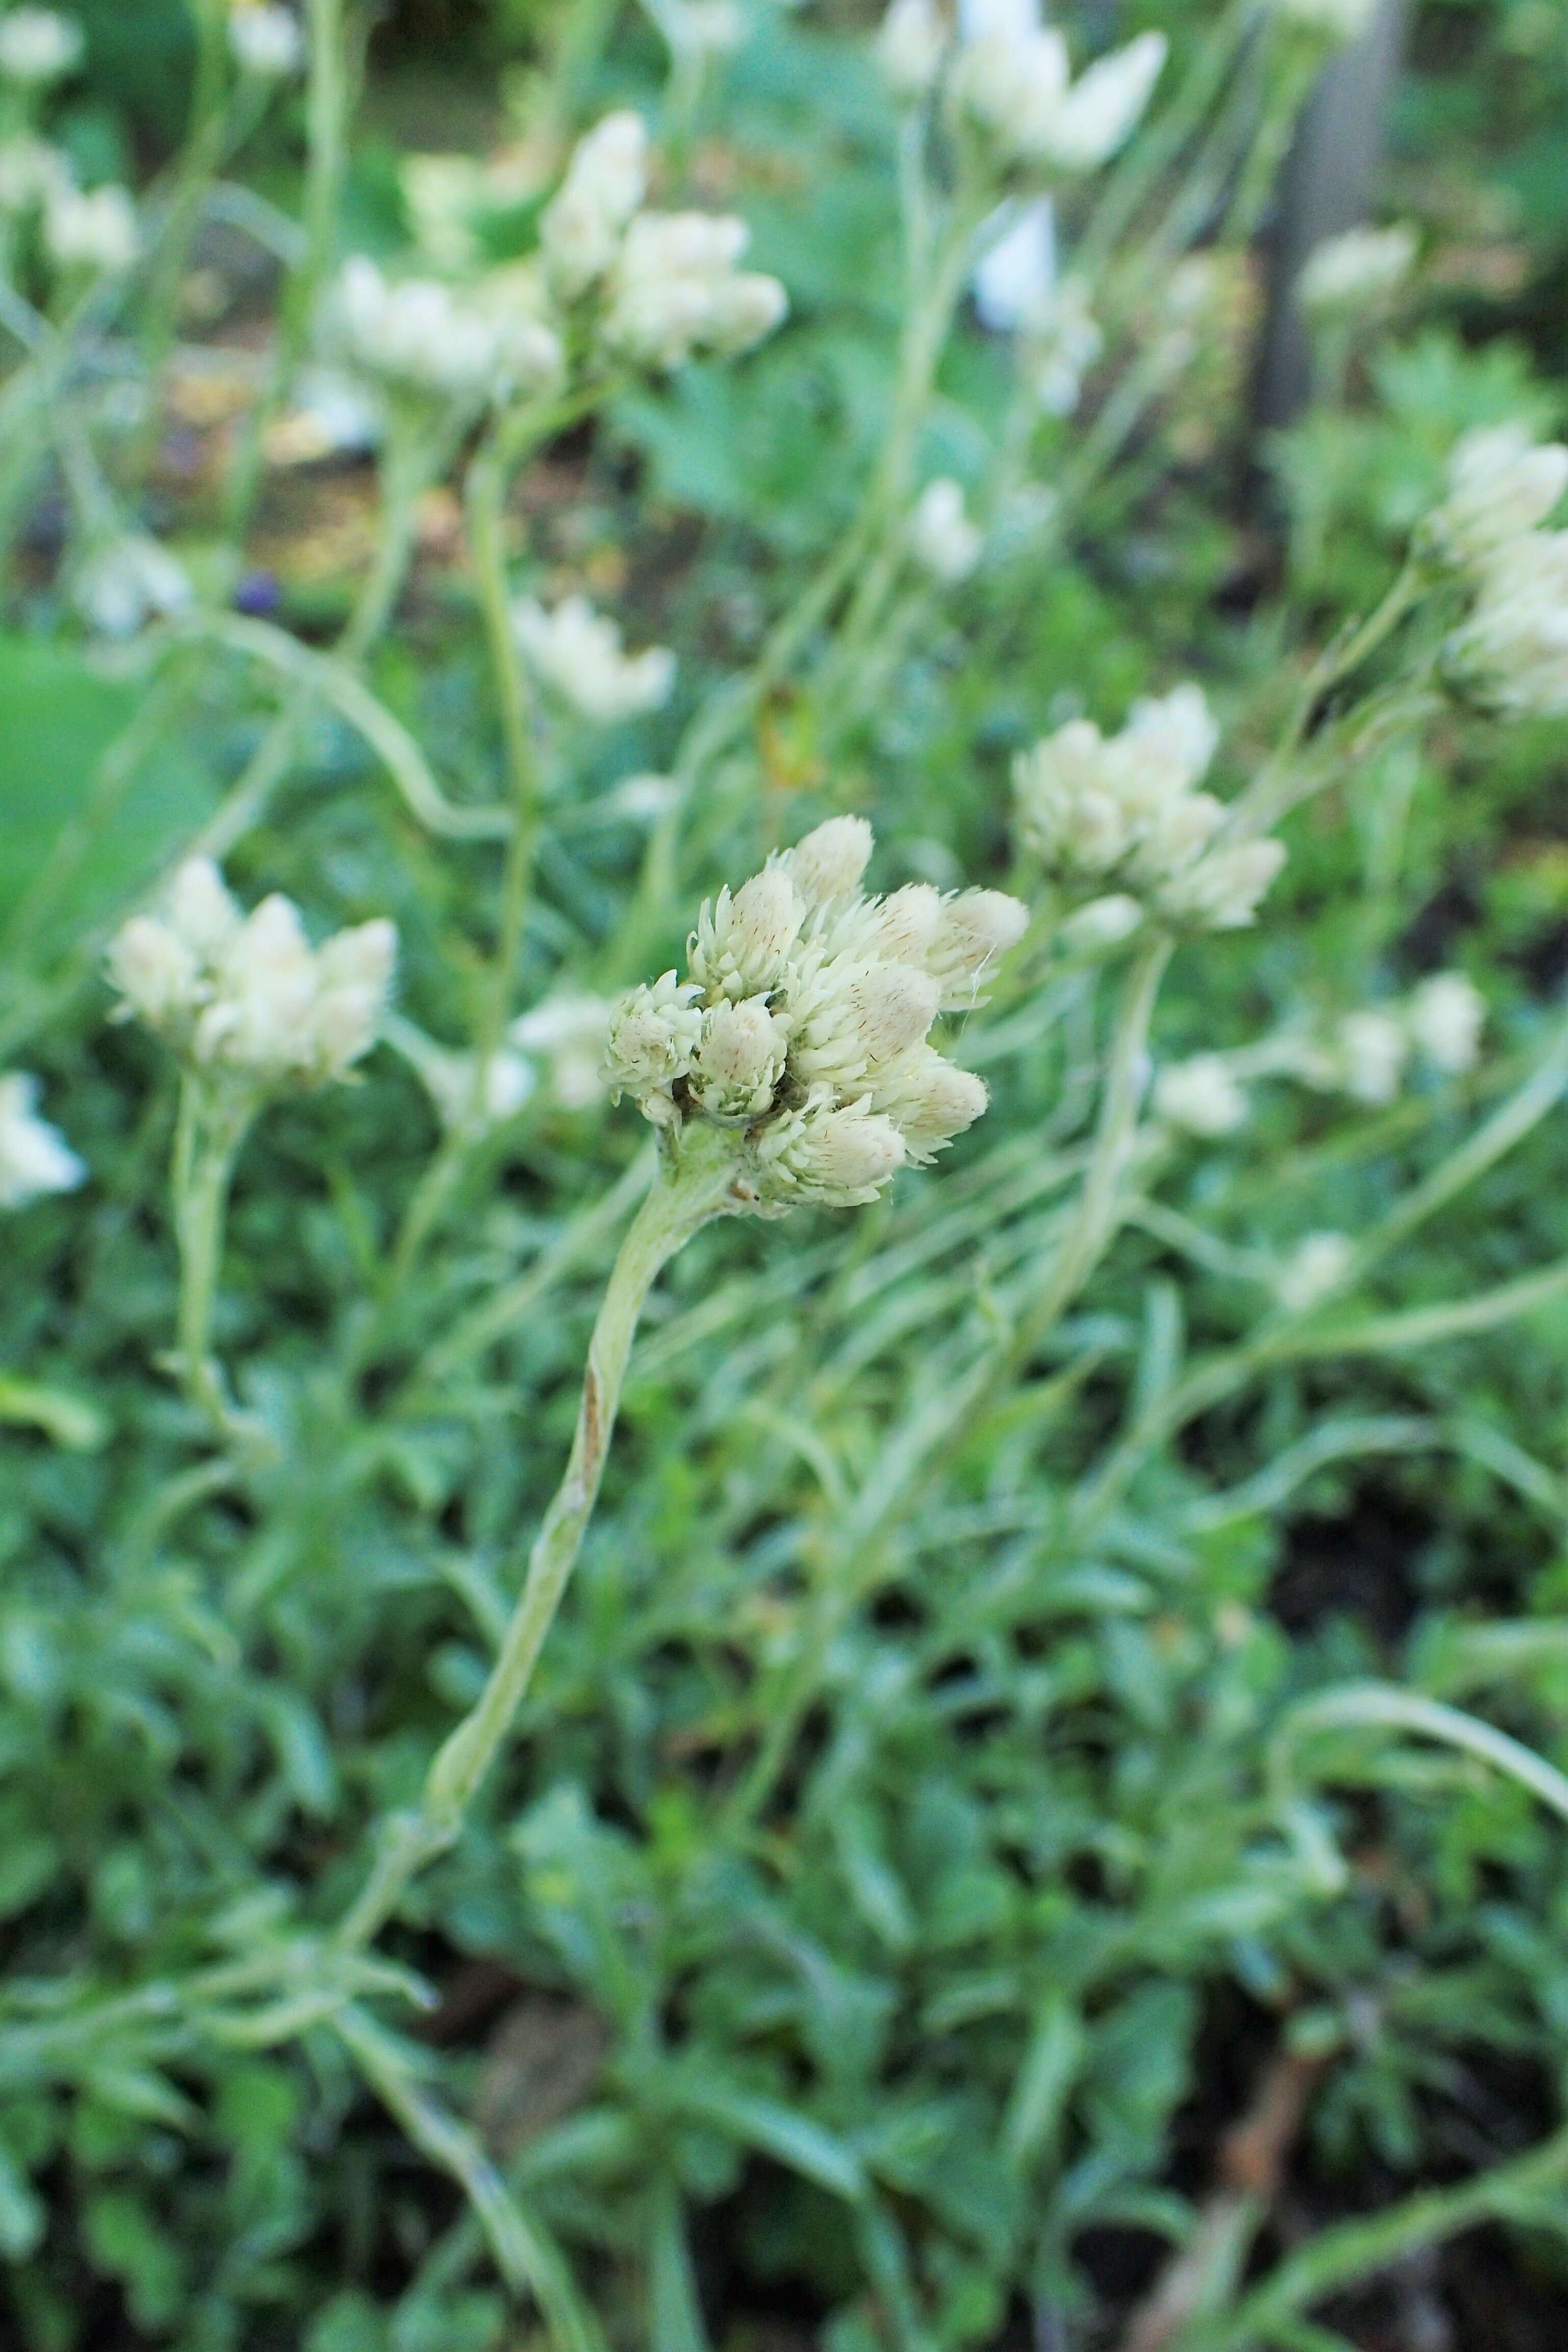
[
  {"x": 579, "y": 653},
  {"x": 1356, "y": 271},
  {"x": 417, "y": 336},
  {"x": 661, "y": 286},
  {"x": 1365, "y": 1056},
  {"x": 37, "y": 47},
  {"x": 265, "y": 40},
  {"x": 1511, "y": 654},
  {"x": 126, "y": 582},
  {"x": 34, "y": 1158},
  {"x": 1061, "y": 341},
  {"x": 943, "y": 541},
  {"x": 91, "y": 230},
  {"x": 246, "y": 995},
  {"x": 1121, "y": 813},
  {"x": 802, "y": 1031},
  {"x": 1010, "y": 84}
]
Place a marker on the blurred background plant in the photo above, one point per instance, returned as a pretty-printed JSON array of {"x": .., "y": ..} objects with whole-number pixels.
[{"x": 1037, "y": 1826}]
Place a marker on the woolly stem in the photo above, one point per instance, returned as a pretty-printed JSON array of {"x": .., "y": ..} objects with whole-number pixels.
[{"x": 207, "y": 1136}]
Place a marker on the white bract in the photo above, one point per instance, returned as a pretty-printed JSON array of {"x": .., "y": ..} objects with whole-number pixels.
[
  {"x": 1355, "y": 271},
  {"x": 909, "y": 47},
  {"x": 34, "y": 1158},
  {"x": 1122, "y": 815},
  {"x": 126, "y": 582},
  {"x": 265, "y": 40},
  {"x": 1513, "y": 652},
  {"x": 37, "y": 46},
  {"x": 1315, "y": 1269},
  {"x": 1012, "y": 84},
  {"x": 802, "y": 1030},
  {"x": 1501, "y": 484},
  {"x": 1201, "y": 1096},
  {"x": 579, "y": 653},
  {"x": 943, "y": 539},
  {"x": 95, "y": 230},
  {"x": 246, "y": 995}
]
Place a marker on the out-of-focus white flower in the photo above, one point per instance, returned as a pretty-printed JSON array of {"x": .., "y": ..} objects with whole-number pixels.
[
  {"x": 581, "y": 229},
  {"x": 32, "y": 173},
  {"x": 1446, "y": 1017},
  {"x": 248, "y": 995},
  {"x": 675, "y": 289},
  {"x": 1062, "y": 341},
  {"x": 331, "y": 413},
  {"x": 801, "y": 1034},
  {"x": 1337, "y": 20},
  {"x": 1016, "y": 87},
  {"x": 34, "y": 1158},
  {"x": 452, "y": 1080},
  {"x": 1016, "y": 273},
  {"x": 643, "y": 798},
  {"x": 416, "y": 334},
  {"x": 127, "y": 582},
  {"x": 95, "y": 230},
  {"x": 1201, "y": 1096},
  {"x": 1501, "y": 485},
  {"x": 1102, "y": 923},
  {"x": 909, "y": 47},
  {"x": 943, "y": 541},
  {"x": 1513, "y": 652},
  {"x": 265, "y": 40},
  {"x": 37, "y": 46},
  {"x": 1315, "y": 1269},
  {"x": 1370, "y": 1052},
  {"x": 1355, "y": 271},
  {"x": 702, "y": 28},
  {"x": 579, "y": 652},
  {"x": 565, "y": 1036}
]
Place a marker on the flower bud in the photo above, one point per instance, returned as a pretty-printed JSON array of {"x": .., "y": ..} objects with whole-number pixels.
[
  {"x": 1102, "y": 923},
  {"x": 841, "y": 1157},
  {"x": 201, "y": 912},
  {"x": 943, "y": 539},
  {"x": 909, "y": 47},
  {"x": 1223, "y": 891},
  {"x": 929, "y": 1100},
  {"x": 354, "y": 977},
  {"x": 739, "y": 1060},
  {"x": 1371, "y": 1047},
  {"x": 891, "y": 1006},
  {"x": 154, "y": 971},
  {"x": 742, "y": 942},
  {"x": 1446, "y": 1018},
  {"x": 1201, "y": 1096},
  {"x": 829, "y": 862},
  {"x": 1501, "y": 485},
  {"x": 975, "y": 930},
  {"x": 34, "y": 1158},
  {"x": 653, "y": 1035}
]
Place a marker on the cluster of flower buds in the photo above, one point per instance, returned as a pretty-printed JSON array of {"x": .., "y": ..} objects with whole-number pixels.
[
  {"x": 802, "y": 1032},
  {"x": 1511, "y": 652},
  {"x": 246, "y": 996},
  {"x": 1121, "y": 814},
  {"x": 943, "y": 541},
  {"x": 658, "y": 287},
  {"x": 37, "y": 47},
  {"x": 417, "y": 338},
  {"x": 122, "y": 583},
  {"x": 265, "y": 40},
  {"x": 579, "y": 653},
  {"x": 1355, "y": 272},
  {"x": 34, "y": 1158},
  {"x": 1365, "y": 1056}
]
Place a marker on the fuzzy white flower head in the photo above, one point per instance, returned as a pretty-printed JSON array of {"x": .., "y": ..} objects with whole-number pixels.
[
  {"x": 1371, "y": 1048},
  {"x": 414, "y": 334},
  {"x": 581, "y": 229},
  {"x": 1201, "y": 1096},
  {"x": 94, "y": 231},
  {"x": 127, "y": 582},
  {"x": 1313, "y": 1271},
  {"x": 1356, "y": 271},
  {"x": 675, "y": 289},
  {"x": 34, "y": 1158},
  {"x": 801, "y": 1036},
  {"x": 1501, "y": 484},
  {"x": 1062, "y": 340},
  {"x": 943, "y": 541},
  {"x": 265, "y": 40},
  {"x": 1446, "y": 1018},
  {"x": 909, "y": 47},
  {"x": 579, "y": 652},
  {"x": 37, "y": 46},
  {"x": 565, "y": 1036},
  {"x": 1014, "y": 84},
  {"x": 246, "y": 995},
  {"x": 1512, "y": 654}
]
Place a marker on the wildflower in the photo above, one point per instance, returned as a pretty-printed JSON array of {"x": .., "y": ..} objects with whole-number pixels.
[
  {"x": 1446, "y": 1017},
  {"x": 1014, "y": 84},
  {"x": 126, "y": 582},
  {"x": 95, "y": 231},
  {"x": 565, "y": 1034},
  {"x": 943, "y": 539},
  {"x": 37, "y": 47},
  {"x": 1513, "y": 652},
  {"x": 417, "y": 336},
  {"x": 579, "y": 653},
  {"x": 247, "y": 994},
  {"x": 1123, "y": 812},
  {"x": 1501, "y": 484},
  {"x": 1355, "y": 271},
  {"x": 581, "y": 229},
  {"x": 34, "y": 1158},
  {"x": 800, "y": 1038},
  {"x": 1315, "y": 1268},
  {"x": 265, "y": 40},
  {"x": 909, "y": 47},
  {"x": 1370, "y": 1053},
  {"x": 1202, "y": 1096},
  {"x": 1062, "y": 341},
  {"x": 675, "y": 289}
]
